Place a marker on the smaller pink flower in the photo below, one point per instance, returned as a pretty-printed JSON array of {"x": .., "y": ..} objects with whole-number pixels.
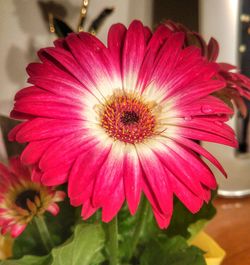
[
  {"x": 237, "y": 85},
  {"x": 21, "y": 199}
]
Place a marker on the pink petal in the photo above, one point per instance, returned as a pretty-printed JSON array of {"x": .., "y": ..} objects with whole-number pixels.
[
  {"x": 185, "y": 195},
  {"x": 55, "y": 80},
  {"x": 213, "y": 104},
  {"x": 208, "y": 194},
  {"x": 36, "y": 175},
  {"x": 34, "y": 95},
  {"x": 109, "y": 175},
  {"x": 192, "y": 167},
  {"x": 66, "y": 150},
  {"x": 87, "y": 210},
  {"x": 112, "y": 207},
  {"x": 53, "y": 209},
  {"x": 213, "y": 49},
  {"x": 197, "y": 91},
  {"x": 49, "y": 107},
  {"x": 116, "y": 37},
  {"x": 205, "y": 124},
  {"x": 147, "y": 33},
  {"x": 56, "y": 176},
  {"x": 200, "y": 150},
  {"x": 14, "y": 131},
  {"x": 162, "y": 220},
  {"x": 5, "y": 174},
  {"x": 59, "y": 196},
  {"x": 20, "y": 116},
  {"x": 133, "y": 54},
  {"x": 167, "y": 58},
  {"x": 41, "y": 128},
  {"x": 34, "y": 150},
  {"x": 17, "y": 168},
  {"x": 16, "y": 230},
  {"x": 132, "y": 179},
  {"x": 95, "y": 61},
  {"x": 156, "y": 177},
  {"x": 63, "y": 59},
  {"x": 85, "y": 169},
  {"x": 197, "y": 134},
  {"x": 153, "y": 47},
  {"x": 187, "y": 70},
  {"x": 182, "y": 170},
  {"x": 84, "y": 195}
]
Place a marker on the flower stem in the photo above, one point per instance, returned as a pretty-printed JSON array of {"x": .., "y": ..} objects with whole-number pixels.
[
  {"x": 112, "y": 231},
  {"x": 44, "y": 233},
  {"x": 141, "y": 219}
]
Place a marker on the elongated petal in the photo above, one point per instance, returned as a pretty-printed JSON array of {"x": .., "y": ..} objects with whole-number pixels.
[
  {"x": 16, "y": 230},
  {"x": 34, "y": 151},
  {"x": 87, "y": 210},
  {"x": 85, "y": 169},
  {"x": 116, "y": 37},
  {"x": 156, "y": 177},
  {"x": 132, "y": 178},
  {"x": 53, "y": 209},
  {"x": 185, "y": 195},
  {"x": 109, "y": 175},
  {"x": 40, "y": 129},
  {"x": 111, "y": 208},
  {"x": 133, "y": 54}
]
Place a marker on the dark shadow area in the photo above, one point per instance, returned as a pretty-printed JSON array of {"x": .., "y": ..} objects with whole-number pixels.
[
  {"x": 12, "y": 148},
  {"x": 182, "y": 11}
]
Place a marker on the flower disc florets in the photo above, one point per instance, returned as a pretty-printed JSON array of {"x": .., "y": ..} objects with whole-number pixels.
[{"x": 127, "y": 118}]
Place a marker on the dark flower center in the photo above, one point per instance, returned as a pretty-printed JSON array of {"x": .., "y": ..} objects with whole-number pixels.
[
  {"x": 21, "y": 199},
  {"x": 129, "y": 117}
]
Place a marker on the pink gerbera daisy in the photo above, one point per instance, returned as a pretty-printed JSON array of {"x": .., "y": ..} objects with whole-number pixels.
[
  {"x": 120, "y": 120},
  {"x": 22, "y": 199}
]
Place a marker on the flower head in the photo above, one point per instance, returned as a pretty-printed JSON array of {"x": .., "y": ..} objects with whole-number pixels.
[
  {"x": 22, "y": 199},
  {"x": 237, "y": 86},
  {"x": 120, "y": 120}
]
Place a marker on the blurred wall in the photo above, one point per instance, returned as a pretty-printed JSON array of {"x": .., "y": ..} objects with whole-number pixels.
[{"x": 23, "y": 30}]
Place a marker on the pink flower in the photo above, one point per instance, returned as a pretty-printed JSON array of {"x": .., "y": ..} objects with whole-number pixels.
[
  {"x": 120, "y": 120},
  {"x": 21, "y": 199},
  {"x": 237, "y": 86}
]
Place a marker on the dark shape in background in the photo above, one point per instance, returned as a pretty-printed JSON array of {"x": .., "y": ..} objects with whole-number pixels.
[
  {"x": 12, "y": 148},
  {"x": 51, "y": 7},
  {"x": 54, "y": 14},
  {"x": 183, "y": 11},
  {"x": 243, "y": 124}
]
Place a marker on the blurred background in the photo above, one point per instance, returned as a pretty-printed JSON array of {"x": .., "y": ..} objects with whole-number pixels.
[{"x": 24, "y": 28}]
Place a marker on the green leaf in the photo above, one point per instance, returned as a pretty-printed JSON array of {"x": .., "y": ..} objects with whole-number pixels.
[
  {"x": 82, "y": 248},
  {"x": 61, "y": 226},
  {"x": 28, "y": 243},
  {"x": 126, "y": 228},
  {"x": 195, "y": 228},
  {"x": 182, "y": 218},
  {"x": 171, "y": 251},
  {"x": 29, "y": 260}
]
